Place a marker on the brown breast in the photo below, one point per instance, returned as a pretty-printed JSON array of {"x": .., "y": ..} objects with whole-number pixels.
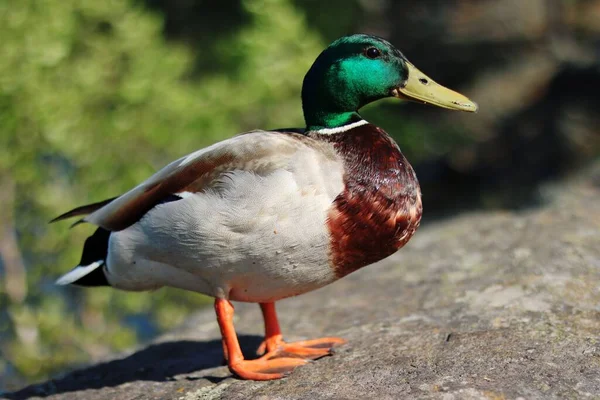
[{"x": 380, "y": 207}]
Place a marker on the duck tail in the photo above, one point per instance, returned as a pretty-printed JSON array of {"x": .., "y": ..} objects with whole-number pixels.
[{"x": 90, "y": 271}]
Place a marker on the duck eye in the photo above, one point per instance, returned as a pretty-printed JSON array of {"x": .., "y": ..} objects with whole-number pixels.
[{"x": 372, "y": 52}]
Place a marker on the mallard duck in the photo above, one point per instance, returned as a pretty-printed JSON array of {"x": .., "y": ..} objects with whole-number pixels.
[{"x": 267, "y": 215}]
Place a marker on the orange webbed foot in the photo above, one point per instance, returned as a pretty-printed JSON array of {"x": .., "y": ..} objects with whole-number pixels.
[
  {"x": 271, "y": 366},
  {"x": 281, "y": 358},
  {"x": 275, "y": 347},
  {"x": 266, "y": 368}
]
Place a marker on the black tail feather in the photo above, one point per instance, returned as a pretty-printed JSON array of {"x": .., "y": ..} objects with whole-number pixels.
[{"x": 95, "y": 249}]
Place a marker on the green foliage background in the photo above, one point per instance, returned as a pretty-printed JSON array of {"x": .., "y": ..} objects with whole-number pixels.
[{"x": 93, "y": 99}]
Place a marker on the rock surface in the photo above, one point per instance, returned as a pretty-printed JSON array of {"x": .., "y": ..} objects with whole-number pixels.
[{"x": 480, "y": 306}]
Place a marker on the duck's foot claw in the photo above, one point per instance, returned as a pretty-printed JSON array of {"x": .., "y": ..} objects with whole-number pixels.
[
  {"x": 305, "y": 349},
  {"x": 266, "y": 367}
]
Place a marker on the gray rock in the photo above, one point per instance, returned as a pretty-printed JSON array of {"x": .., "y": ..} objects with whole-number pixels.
[{"x": 481, "y": 306}]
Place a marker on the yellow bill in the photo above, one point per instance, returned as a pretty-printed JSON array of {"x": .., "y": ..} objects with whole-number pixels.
[{"x": 421, "y": 88}]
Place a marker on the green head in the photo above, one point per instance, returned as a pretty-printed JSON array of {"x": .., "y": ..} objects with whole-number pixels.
[{"x": 358, "y": 69}]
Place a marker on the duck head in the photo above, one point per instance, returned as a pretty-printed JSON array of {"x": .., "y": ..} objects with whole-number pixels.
[{"x": 358, "y": 69}]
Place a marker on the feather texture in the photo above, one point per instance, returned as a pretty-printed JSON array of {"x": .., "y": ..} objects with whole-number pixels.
[
  {"x": 256, "y": 151},
  {"x": 253, "y": 233}
]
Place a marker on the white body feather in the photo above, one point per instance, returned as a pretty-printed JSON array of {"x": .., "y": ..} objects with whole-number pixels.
[{"x": 248, "y": 236}]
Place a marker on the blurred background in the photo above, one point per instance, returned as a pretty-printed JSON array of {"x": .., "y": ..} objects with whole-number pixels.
[{"x": 96, "y": 95}]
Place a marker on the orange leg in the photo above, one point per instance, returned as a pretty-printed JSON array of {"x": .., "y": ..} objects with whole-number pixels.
[
  {"x": 225, "y": 355},
  {"x": 262, "y": 369},
  {"x": 275, "y": 347}
]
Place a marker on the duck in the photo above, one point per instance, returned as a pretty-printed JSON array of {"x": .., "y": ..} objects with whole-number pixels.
[{"x": 270, "y": 214}]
